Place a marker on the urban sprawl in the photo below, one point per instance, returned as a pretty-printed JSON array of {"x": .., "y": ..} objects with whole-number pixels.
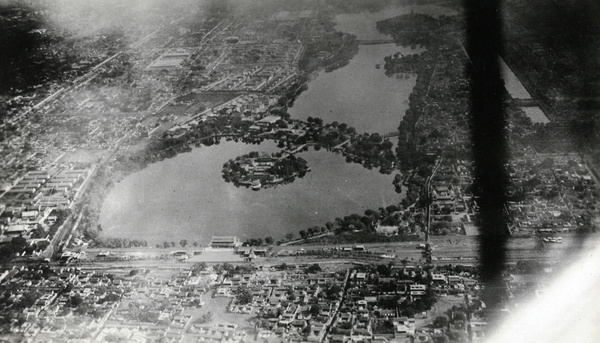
[{"x": 104, "y": 103}]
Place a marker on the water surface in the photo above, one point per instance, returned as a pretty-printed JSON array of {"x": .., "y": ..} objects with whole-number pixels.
[
  {"x": 536, "y": 114},
  {"x": 185, "y": 197},
  {"x": 364, "y": 25},
  {"x": 359, "y": 94},
  {"x": 517, "y": 90},
  {"x": 512, "y": 83}
]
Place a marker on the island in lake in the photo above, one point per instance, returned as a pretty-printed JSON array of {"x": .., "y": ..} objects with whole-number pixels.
[{"x": 259, "y": 170}]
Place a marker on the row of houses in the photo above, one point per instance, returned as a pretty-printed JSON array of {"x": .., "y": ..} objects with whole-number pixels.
[{"x": 46, "y": 188}]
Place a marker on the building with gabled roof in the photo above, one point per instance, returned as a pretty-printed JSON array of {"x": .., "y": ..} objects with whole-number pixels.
[{"x": 225, "y": 242}]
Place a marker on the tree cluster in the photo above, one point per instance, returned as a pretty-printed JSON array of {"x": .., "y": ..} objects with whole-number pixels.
[
  {"x": 16, "y": 245},
  {"x": 243, "y": 295},
  {"x": 417, "y": 29},
  {"x": 373, "y": 152},
  {"x": 120, "y": 243}
]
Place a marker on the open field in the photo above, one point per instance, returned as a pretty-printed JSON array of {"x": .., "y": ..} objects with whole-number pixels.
[{"x": 83, "y": 156}]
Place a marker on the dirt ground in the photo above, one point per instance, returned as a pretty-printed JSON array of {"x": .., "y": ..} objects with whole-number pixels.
[
  {"x": 85, "y": 156},
  {"x": 218, "y": 308}
]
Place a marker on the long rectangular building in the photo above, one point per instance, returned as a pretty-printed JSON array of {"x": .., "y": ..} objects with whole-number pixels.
[{"x": 225, "y": 242}]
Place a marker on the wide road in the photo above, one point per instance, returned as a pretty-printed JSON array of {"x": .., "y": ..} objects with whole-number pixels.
[{"x": 446, "y": 250}]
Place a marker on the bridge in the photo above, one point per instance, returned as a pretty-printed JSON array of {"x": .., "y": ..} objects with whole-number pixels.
[
  {"x": 375, "y": 41},
  {"x": 339, "y": 146},
  {"x": 391, "y": 134}
]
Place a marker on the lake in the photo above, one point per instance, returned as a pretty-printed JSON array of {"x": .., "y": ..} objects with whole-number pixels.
[
  {"x": 512, "y": 83},
  {"x": 185, "y": 197},
  {"x": 517, "y": 90},
  {"x": 536, "y": 114},
  {"x": 363, "y": 25},
  {"x": 359, "y": 94}
]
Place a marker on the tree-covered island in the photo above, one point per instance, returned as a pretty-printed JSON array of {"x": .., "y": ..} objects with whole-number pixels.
[{"x": 261, "y": 170}]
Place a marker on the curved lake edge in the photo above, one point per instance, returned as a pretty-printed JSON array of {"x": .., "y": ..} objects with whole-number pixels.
[
  {"x": 340, "y": 182},
  {"x": 125, "y": 165},
  {"x": 139, "y": 164}
]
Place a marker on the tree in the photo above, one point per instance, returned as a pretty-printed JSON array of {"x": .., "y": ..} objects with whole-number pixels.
[
  {"x": 269, "y": 240},
  {"x": 18, "y": 243},
  {"x": 457, "y": 336},
  {"x": 384, "y": 270},
  {"x": 42, "y": 245},
  {"x": 115, "y": 337},
  {"x": 392, "y": 208},
  {"x": 243, "y": 296},
  {"x": 283, "y": 101},
  {"x": 289, "y": 236},
  {"x": 302, "y": 233},
  {"x": 306, "y": 331},
  {"x": 183, "y": 243},
  {"x": 376, "y": 138},
  {"x": 291, "y": 296},
  {"x": 440, "y": 322},
  {"x": 228, "y": 267},
  {"x": 441, "y": 339},
  {"x": 333, "y": 292},
  {"x": 313, "y": 269},
  {"x": 314, "y": 310},
  {"x": 76, "y": 300},
  {"x": 206, "y": 318},
  {"x": 386, "y": 144},
  {"x": 198, "y": 267}
]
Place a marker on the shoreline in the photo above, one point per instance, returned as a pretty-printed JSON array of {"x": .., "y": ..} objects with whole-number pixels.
[
  {"x": 247, "y": 171},
  {"x": 124, "y": 165},
  {"x": 162, "y": 150}
]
